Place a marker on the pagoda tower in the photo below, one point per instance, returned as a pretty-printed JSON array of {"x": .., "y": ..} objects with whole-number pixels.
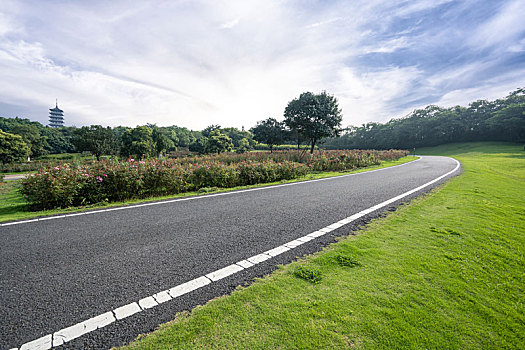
[{"x": 56, "y": 117}]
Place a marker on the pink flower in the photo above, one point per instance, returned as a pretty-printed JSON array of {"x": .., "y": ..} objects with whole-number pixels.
[
  {"x": 56, "y": 168},
  {"x": 131, "y": 160},
  {"x": 99, "y": 179},
  {"x": 104, "y": 175}
]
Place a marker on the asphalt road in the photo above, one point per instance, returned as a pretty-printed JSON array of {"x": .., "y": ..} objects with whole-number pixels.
[{"x": 56, "y": 273}]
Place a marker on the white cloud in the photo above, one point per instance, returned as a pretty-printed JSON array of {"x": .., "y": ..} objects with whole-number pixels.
[
  {"x": 490, "y": 90},
  {"x": 230, "y": 24},
  {"x": 321, "y": 23},
  {"x": 389, "y": 45},
  {"x": 502, "y": 28},
  {"x": 372, "y": 96}
]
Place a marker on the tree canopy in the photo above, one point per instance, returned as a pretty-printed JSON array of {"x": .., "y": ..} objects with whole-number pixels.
[
  {"x": 482, "y": 120},
  {"x": 137, "y": 142},
  {"x": 95, "y": 139},
  {"x": 314, "y": 116},
  {"x": 270, "y": 132},
  {"x": 12, "y": 148}
]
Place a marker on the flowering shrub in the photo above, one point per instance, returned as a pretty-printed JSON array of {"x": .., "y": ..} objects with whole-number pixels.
[{"x": 69, "y": 185}]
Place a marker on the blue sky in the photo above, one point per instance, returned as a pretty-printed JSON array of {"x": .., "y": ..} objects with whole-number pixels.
[{"x": 196, "y": 63}]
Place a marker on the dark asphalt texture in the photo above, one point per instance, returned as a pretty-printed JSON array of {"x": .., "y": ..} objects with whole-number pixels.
[{"x": 56, "y": 273}]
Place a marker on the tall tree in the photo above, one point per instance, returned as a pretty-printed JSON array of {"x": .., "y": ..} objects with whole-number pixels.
[
  {"x": 161, "y": 140},
  {"x": 12, "y": 148},
  {"x": 218, "y": 142},
  {"x": 32, "y": 137},
  {"x": 270, "y": 132},
  {"x": 137, "y": 142},
  {"x": 95, "y": 139},
  {"x": 209, "y": 129},
  {"x": 314, "y": 116}
]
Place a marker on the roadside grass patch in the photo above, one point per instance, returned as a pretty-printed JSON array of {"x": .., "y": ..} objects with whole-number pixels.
[
  {"x": 445, "y": 231},
  {"x": 346, "y": 260},
  {"x": 308, "y": 274},
  {"x": 415, "y": 289}
]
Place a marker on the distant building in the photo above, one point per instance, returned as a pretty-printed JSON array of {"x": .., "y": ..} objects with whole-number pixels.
[{"x": 56, "y": 117}]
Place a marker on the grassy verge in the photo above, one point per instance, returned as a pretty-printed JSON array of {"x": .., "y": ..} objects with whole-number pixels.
[
  {"x": 445, "y": 272},
  {"x": 13, "y": 205}
]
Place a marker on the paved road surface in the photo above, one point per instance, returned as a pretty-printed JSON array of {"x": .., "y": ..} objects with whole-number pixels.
[{"x": 56, "y": 273}]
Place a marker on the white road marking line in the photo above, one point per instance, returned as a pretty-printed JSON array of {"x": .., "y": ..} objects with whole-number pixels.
[
  {"x": 224, "y": 272},
  {"x": 276, "y": 251},
  {"x": 43, "y": 343},
  {"x": 147, "y": 303},
  {"x": 162, "y": 297},
  {"x": 200, "y": 197},
  {"x": 316, "y": 234},
  {"x": 190, "y": 286},
  {"x": 244, "y": 263},
  {"x": 100, "y": 321},
  {"x": 305, "y": 239},
  {"x": 256, "y": 259},
  {"x": 293, "y": 244},
  {"x": 126, "y": 310}
]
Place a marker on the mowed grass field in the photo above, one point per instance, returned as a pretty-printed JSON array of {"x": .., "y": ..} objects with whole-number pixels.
[{"x": 445, "y": 272}]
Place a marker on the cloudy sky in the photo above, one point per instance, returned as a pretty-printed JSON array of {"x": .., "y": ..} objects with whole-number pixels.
[{"x": 196, "y": 63}]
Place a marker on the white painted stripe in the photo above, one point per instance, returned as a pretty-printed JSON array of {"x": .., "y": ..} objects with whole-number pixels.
[
  {"x": 43, "y": 343},
  {"x": 294, "y": 243},
  {"x": 204, "y": 196},
  {"x": 51, "y": 217},
  {"x": 75, "y": 331},
  {"x": 305, "y": 239},
  {"x": 244, "y": 263},
  {"x": 256, "y": 259},
  {"x": 276, "y": 251},
  {"x": 147, "y": 303},
  {"x": 190, "y": 286},
  {"x": 316, "y": 234},
  {"x": 79, "y": 329},
  {"x": 335, "y": 226},
  {"x": 224, "y": 272},
  {"x": 162, "y": 297},
  {"x": 126, "y": 310},
  {"x": 75, "y": 214}
]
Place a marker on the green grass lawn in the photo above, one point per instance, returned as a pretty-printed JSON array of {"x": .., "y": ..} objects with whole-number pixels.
[
  {"x": 445, "y": 272},
  {"x": 13, "y": 205}
]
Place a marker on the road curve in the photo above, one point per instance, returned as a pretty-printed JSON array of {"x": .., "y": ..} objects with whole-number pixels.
[{"x": 59, "y": 272}]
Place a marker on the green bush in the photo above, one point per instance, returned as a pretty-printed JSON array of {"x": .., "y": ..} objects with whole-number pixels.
[{"x": 83, "y": 183}]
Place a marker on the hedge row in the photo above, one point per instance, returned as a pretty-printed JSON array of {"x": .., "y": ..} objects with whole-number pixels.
[{"x": 69, "y": 185}]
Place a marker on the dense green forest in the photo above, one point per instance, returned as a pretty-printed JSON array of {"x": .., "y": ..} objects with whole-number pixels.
[
  {"x": 482, "y": 120},
  {"x": 499, "y": 120}
]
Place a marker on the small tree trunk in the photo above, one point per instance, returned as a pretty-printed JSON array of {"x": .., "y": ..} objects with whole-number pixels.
[
  {"x": 271, "y": 148},
  {"x": 312, "y": 148}
]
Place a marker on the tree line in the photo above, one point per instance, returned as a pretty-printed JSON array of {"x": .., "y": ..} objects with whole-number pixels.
[
  {"x": 311, "y": 119},
  {"x": 499, "y": 120},
  {"x": 307, "y": 118}
]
